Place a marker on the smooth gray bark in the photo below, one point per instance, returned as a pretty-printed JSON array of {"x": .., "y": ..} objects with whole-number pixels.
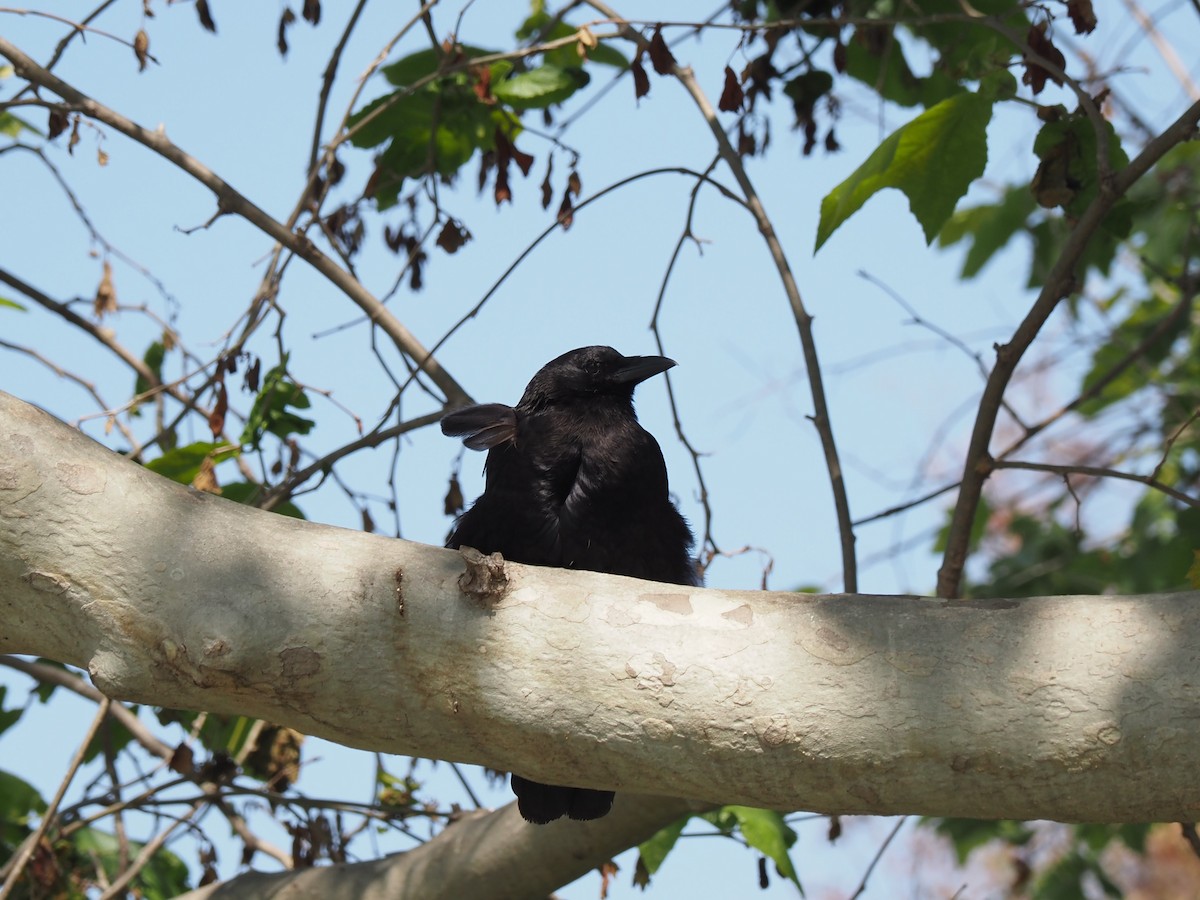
[
  {"x": 1067, "y": 708},
  {"x": 485, "y": 855}
]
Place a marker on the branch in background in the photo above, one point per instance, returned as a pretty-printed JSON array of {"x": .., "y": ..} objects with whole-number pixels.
[
  {"x": 231, "y": 201},
  {"x": 1060, "y": 283},
  {"x": 103, "y": 335},
  {"x": 25, "y": 852},
  {"x": 64, "y": 678},
  {"x": 708, "y": 544},
  {"x": 1097, "y": 472},
  {"x": 821, "y": 418}
]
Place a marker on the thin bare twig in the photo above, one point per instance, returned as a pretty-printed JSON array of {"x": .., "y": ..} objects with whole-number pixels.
[
  {"x": 821, "y": 417},
  {"x": 1097, "y": 472},
  {"x": 230, "y": 200},
  {"x": 862, "y": 885},
  {"x": 25, "y": 853},
  {"x": 117, "y": 888}
]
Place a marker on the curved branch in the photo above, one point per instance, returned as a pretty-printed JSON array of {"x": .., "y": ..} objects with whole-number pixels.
[
  {"x": 821, "y": 418},
  {"x": 230, "y": 200},
  {"x": 1097, "y": 472},
  {"x": 1060, "y": 283}
]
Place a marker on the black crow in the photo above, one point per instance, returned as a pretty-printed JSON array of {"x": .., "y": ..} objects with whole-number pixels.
[{"x": 574, "y": 481}]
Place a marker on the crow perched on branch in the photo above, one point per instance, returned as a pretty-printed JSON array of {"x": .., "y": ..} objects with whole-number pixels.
[{"x": 574, "y": 481}]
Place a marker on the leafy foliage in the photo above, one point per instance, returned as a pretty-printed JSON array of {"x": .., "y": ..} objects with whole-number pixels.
[
  {"x": 763, "y": 830},
  {"x": 933, "y": 160},
  {"x": 272, "y": 413}
]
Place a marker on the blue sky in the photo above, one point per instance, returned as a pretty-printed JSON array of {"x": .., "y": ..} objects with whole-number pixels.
[{"x": 901, "y": 398}]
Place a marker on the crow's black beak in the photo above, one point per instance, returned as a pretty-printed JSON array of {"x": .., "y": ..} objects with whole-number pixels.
[{"x": 636, "y": 369}]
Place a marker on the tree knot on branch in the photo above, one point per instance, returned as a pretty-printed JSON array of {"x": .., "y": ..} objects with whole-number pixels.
[
  {"x": 484, "y": 579},
  {"x": 986, "y": 464}
]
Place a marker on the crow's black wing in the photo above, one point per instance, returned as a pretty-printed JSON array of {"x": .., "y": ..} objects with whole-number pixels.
[{"x": 482, "y": 427}]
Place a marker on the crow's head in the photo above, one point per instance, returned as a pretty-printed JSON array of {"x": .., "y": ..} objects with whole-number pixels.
[{"x": 591, "y": 372}]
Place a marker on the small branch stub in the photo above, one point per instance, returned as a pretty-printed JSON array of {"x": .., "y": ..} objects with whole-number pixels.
[{"x": 484, "y": 579}]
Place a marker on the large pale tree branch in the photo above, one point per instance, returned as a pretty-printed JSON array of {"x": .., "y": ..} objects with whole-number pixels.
[
  {"x": 1068, "y": 708},
  {"x": 485, "y": 855}
]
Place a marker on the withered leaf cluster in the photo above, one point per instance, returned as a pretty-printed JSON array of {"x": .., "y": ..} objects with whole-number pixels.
[
  {"x": 1041, "y": 49},
  {"x": 401, "y": 239}
]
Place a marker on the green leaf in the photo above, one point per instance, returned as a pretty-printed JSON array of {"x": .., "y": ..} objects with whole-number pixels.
[
  {"x": 18, "y": 801},
  {"x": 13, "y": 126},
  {"x": 11, "y": 304},
  {"x": 967, "y": 834},
  {"x": 248, "y": 494},
  {"x": 270, "y": 413},
  {"x": 153, "y": 358},
  {"x": 970, "y": 53},
  {"x": 545, "y": 28},
  {"x": 654, "y": 851},
  {"x": 8, "y": 717},
  {"x": 163, "y": 877},
  {"x": 888, "y": 74},
  {"x": 436, "y": 129},
  {"x": 182, "y": 463},
  {"x": 423, "y": 63},
  {"x": 1067, "y": 144},
  {"x": 540, "y": 87},
  {"x": 1144, "y": 319},
  {"x": 989, "y": 228},
  {"x": 933, "y": 160},
  {"x": 766, "y": 832}
]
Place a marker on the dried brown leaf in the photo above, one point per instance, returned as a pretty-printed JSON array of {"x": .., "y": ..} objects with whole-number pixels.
[
  {"x": 523, "y": 160},
  {"x": 641, "y": 81},
  {"x": 660, "y": 54},
  {"x": 205, "y": 14},
  {"x": 101, "y": 156},
  {"x": 74, "y": 139},
  {"x": 1083, "y": 16},
  {"x": 206, "y": 477},
  {"x": 608, "y": 871},
  {"x": 452, "y": 237},
  {"x": 502, "y": 192},
  {"x": 732, "y": 94},
  {"x": 574, "y": 184},
  {"x": 285, "y": 21},
  {"x": 547, "y": 190},
  {"x": 182, "y": 760},
  {"x": 835, "y": 828},
  {"x": 216, "y": 418},
  {"x": 312, "y": 11},
  {"x": 252, "y": 375},
  {"x": 481, "y": 83},
  {"x": 454, "y": 501},
  {"x": 58, "y": 122},
  {"x": 1052, "y": 183},
  {"x": 141, "y": 48},
  {"x": 641, "y": 875},
  {"x": 566, "y": 212},
  {"x": 106, "y": 293},
  {"x": 1040, "y": 44}
]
